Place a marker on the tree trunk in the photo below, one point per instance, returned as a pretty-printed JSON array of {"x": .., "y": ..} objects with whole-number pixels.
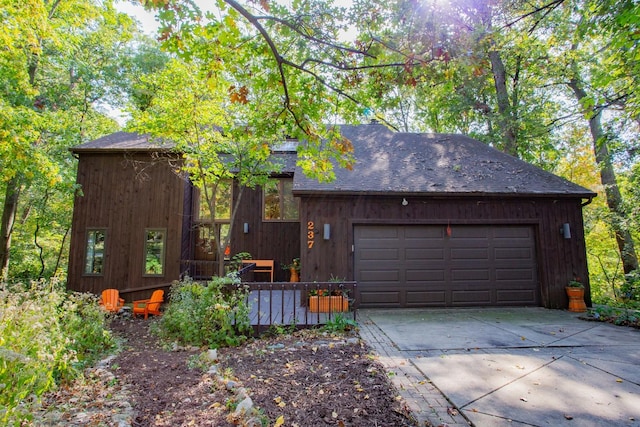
[
  {"x": 610, "y": 184},
  {"x": 6, "y": 227},
  {"x": 506, "y": 120}
]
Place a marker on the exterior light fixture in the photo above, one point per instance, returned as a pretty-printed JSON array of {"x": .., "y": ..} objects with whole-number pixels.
[
  {"x": 326, "y": 235},
  {"x": 245, "y": 227},
  {"x": 565, "y": 231},
  {"x": 404, "y": 202}
]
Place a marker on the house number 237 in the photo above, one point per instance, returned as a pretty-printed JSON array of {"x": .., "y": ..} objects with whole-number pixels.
[{"x": 311, "y": 234}]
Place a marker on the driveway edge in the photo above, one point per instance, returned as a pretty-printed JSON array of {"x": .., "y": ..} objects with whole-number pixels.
[{"x": 427, "y": 404}]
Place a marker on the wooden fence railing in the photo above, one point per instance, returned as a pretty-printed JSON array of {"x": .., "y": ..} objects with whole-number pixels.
[
  {"x": 296, "y": 304},
  {"x": 198, "y": 269},
  {"x": 300, "y": 304}
]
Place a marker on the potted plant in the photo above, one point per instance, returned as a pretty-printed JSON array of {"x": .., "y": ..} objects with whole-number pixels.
[
  {"x": 575, "y": 292},
  {"x": 294, "y": 270},
  {"x": 329, "y": 300},
  {"x": 235, "y": 264}
]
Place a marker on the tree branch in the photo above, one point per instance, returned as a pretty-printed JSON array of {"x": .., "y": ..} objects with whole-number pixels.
[
  {"x": 297, "y": 29},
  {"x": 549, "y": 6}
]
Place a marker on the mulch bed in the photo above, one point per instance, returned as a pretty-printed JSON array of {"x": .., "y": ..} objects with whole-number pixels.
[{"x": 303, "y": 379}]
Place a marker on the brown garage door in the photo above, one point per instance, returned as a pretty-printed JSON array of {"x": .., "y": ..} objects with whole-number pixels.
[{"x": 417, "y": 266}]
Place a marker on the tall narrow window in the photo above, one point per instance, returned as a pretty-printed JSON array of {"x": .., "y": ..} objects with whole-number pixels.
[
  {"x": 94, "y": 259},
  {"x": 155, "y": 240},
  {"x": 209, "y": 232},
  {"x": 222, "y": 202},
  {"x": 279, "y": 203}
]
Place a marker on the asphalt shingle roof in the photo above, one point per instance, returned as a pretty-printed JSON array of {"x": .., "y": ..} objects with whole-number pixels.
[
  {"x": 133, "y": 142},
  {"x": 432, "y": 164},
  {"x": 123, "y": 141}
]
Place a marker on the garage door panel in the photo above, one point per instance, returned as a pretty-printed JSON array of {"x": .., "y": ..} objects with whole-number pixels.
[
  {"x": 516, "y": 296},
  {"x": 513, "y": 274},
  {"x": 425, "y": 275},
  {"x": 470, "y": 275},
  {"x": 476, "y": 265},
  {"x": 461, "y": 232},
  {"x": 377, "y": 254},
  {"x": 424, "y": 254},
  {"x": 510, "y": 233},
  {"x": 471, "y": 297},
  {"x": 373, "y": 276},
  {"x": 424, "y": 233},
  {"x": 511, "y": 253},
  {"x": 377, "y": 233},
  {"x": 470, "y": 254},
  {"x": 422, "y": 298},
  {"x": 381, "y": 299}
]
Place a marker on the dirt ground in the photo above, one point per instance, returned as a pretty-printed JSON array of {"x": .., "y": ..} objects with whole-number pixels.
[{"x": 304, "y": 379}]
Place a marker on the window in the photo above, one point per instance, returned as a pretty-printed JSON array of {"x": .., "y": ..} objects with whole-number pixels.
[
  {"x": 94, "y": 259},
  {"x": 209, "y": 233},
  {"x": 206, "y": 240},
  {"x": 279, "y": 203},
  {"x": 222, "y": 202},
  {"x": 155, "y": 240}
]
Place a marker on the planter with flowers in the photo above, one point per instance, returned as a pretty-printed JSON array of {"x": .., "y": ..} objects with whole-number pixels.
[
  {"x": 575, "y": 292},
  {"x": 294, "y": 270},
  {"x": 333, "y": 300}
]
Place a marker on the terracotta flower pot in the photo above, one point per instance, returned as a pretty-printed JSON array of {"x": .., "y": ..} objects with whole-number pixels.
[
  {"x": 326, "y": 304},
  {"x": 294, "y": 275},
  {"x": 576, "y": 300}
]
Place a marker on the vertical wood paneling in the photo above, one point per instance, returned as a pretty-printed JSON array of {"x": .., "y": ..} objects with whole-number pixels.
[
  {"x": 559, "y": 259},
  {"x": 125, "y": 201},
  {"x": 116, "y": 198},
  {"x": 279, "y": 241}
]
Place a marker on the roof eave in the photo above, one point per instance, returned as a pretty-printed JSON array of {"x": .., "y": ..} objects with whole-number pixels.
[{"x": 307, "y": 193}]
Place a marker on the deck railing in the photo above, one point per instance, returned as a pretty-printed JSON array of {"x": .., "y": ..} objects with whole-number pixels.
[
  {"x": 198, "y": 269},
  {"x": 288, "y": 304},
  {"x": 300, "y": 304}
]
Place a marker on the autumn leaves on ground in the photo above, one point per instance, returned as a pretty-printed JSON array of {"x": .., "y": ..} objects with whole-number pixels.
[{"x": 305, "y": 379}]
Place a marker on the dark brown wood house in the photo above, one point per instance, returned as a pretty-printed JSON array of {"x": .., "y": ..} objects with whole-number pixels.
[{"x": 422, "y": 220}]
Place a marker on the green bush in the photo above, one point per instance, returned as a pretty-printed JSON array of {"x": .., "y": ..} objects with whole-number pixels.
[
  {"x": 47, "y": 335},
  {"x": 215, "y": 314}
]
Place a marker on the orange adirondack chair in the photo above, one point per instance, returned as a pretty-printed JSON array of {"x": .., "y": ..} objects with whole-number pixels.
[
  {"x": 111, "y": 300},
  {"x": 149, "y": 306}
]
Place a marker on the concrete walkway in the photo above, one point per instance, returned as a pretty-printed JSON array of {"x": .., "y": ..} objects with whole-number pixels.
[{"x": 508, "y": 366}]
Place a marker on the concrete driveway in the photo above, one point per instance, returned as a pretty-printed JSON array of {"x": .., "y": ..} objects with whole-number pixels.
[{"x": 508, "y": 366}]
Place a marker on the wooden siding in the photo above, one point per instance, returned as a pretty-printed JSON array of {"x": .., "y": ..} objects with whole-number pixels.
[
  {"x": 276, "y": 240},
  {"x": 125, "y": 194},
  {"x": 559, "y": 259}
]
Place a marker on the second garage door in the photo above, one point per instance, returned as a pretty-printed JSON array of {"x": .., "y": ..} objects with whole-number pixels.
[{"x": 417, "y": 266}]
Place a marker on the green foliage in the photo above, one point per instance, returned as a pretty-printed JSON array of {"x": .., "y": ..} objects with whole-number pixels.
[
  {"x": 59, "y": 67},
  {"x": 215, "y": 314},
  {"x": 621, "y": 315},
  {"x": 236, "y": 261},
  {"x": 295, "y": 264},
  {"x": 339, "y": 324},
  {"x": 47, "y": 335},
  {"x": 279, "y": 330},
  {"x": 199, "y": 361},
  {"x": 630, "y": 290}
]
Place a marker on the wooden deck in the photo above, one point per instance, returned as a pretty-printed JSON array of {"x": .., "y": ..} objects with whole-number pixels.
[
  {"x": 284, "y": 307},
  {"x": 285, "y": 304}
]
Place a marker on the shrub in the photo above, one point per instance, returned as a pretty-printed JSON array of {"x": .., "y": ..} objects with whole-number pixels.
[
  {"x": 215, "y": 314},
  {"x": 47, "y": 335},
  {"x": 340, "y": 324}
]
